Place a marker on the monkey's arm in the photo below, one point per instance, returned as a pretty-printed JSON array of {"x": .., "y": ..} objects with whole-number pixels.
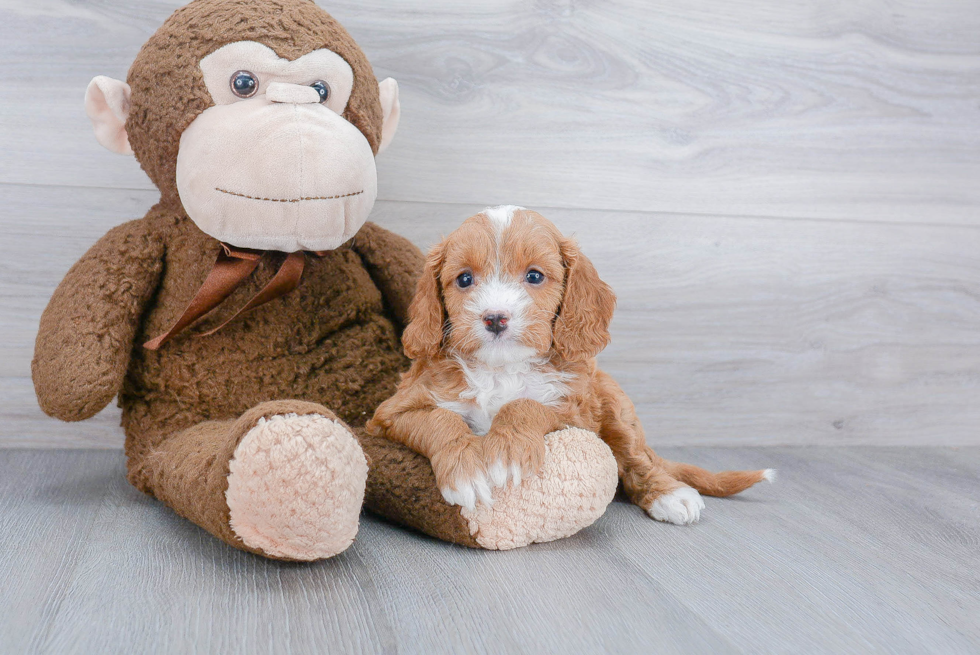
[
  {"x": 394, "y": 264},
  {"x": 86, "y": 333}
]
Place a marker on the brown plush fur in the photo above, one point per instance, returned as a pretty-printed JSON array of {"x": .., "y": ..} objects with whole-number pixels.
[
  {"x": 168, "y": 86},
  {"x": 402, "y": 487},
  {"x": 329, "y": 347}
]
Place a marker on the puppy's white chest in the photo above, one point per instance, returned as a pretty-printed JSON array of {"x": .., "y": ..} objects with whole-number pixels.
[{"x": 489, "y": 389}]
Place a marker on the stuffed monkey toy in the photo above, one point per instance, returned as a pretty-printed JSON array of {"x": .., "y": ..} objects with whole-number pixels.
[{"x": 250, "y": 323}]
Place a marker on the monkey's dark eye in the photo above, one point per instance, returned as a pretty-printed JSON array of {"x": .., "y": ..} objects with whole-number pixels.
[
  {"x": 244, "y": 84},
  {"x": 464, "y": 280},
  {"x": 534, "y": 277},
  {"x": 323, "y": 89}
]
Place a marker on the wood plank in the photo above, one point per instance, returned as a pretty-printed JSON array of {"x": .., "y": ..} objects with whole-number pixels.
[
  {"x": 878, "y": 556},
  {"x": 132, "y": 581},
  {"x": 852, "y": 550},
  {"x": 820, "y": 110},
  {"x": 574, "y": 596},
  {"x": 728, "y": 331},
  {"x": 49, "y": 504}
]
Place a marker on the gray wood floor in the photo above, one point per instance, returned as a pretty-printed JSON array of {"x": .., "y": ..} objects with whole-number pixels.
[
  {"x": 785, "y": 198},
  {"x": 853, "y": 550}
]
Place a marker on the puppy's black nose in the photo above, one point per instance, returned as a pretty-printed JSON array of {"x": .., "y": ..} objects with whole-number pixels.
[{"x": 495, "y": 323}]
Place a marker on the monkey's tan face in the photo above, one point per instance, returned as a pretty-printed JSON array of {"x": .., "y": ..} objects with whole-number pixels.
[{"x": 273, "y": 164}]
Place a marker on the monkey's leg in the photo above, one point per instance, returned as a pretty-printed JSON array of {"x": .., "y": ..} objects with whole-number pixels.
[
  {"x": 285, "y": 480},
  {"x": 572, "y": 490},
  {"x": 402, "y": 487}
]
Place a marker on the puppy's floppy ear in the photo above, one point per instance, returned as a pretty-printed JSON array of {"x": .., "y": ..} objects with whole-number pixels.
[
  {"x": 426, "y": 314},
  {"x": 582, "y": 325}
]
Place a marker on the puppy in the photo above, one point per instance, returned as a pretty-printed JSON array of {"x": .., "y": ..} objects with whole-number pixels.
[{"x": 505, "y": 327}]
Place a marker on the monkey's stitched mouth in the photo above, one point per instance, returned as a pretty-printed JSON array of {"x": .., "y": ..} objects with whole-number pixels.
[{"x": 242, "y": 195}]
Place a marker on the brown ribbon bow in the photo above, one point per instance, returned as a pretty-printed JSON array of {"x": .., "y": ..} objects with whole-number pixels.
[{"x": 230, "y": 269}]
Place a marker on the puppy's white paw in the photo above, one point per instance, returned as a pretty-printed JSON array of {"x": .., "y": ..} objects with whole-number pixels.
[
  {"x": 500, "y": 474},
  {"x": 515, "y": 474},
  {"x": 682, "y": 506},
  {"x": 468, "y": 493}
]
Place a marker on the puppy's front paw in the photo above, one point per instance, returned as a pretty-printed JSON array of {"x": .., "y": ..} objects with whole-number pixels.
[
  {"x": 682, "y": 506},
  {"x": 461, "y": 474},
  {"x": 511, "y": 455}
]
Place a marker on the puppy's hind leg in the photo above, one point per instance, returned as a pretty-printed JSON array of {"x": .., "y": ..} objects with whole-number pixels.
[
  {"x": 665, "y": 498},
  {"x": 647, "y": 478}
]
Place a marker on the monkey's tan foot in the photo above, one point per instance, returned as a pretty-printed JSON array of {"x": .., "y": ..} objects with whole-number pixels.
[
  {"x": 572, "y": 490},
  {"x": 295, "y": 487}
]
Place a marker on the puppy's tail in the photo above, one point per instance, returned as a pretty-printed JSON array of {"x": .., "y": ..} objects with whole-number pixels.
[{"x": 724, "y": 483}]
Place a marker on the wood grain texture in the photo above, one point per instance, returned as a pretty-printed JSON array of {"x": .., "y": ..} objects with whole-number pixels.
[
  {"x": 852, "y": 550},
  {"x": 728, "y": 330},
  {"x": 687, "y": 145},
  {"x": 866, "y": 110}
]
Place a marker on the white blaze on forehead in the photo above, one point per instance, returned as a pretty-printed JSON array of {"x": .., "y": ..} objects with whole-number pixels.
[
  {"x": 501, "y": 215},
  {"x": 496, "y": 292}
]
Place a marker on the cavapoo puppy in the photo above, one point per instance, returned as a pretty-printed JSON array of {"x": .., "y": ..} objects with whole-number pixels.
[{"x": 505, "y": 327}]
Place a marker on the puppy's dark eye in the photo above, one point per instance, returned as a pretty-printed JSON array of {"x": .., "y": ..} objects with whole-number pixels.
[
  {"x": 464, "y": 280},
  {"x": 323, "y": 89},
  {"x": 244, "y": 84},
  {"x": 534, "y": 277}
]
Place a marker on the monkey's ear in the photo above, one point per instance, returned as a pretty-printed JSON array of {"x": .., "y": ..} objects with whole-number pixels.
[
  {"x": 388, "y": 90},
  {"x": 107, "y": 106}
]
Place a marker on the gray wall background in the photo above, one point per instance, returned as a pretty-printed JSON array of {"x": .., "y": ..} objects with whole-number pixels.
[{"x": 785, "y": 196}]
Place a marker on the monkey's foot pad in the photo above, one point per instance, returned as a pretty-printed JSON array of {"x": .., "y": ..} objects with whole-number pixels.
[
  {"x": 573, "y": 489},
  {"x": 296, "y": 487}
]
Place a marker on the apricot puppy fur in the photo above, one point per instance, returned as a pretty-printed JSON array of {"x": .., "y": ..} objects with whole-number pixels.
[{"x": 505, "y": 326}]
